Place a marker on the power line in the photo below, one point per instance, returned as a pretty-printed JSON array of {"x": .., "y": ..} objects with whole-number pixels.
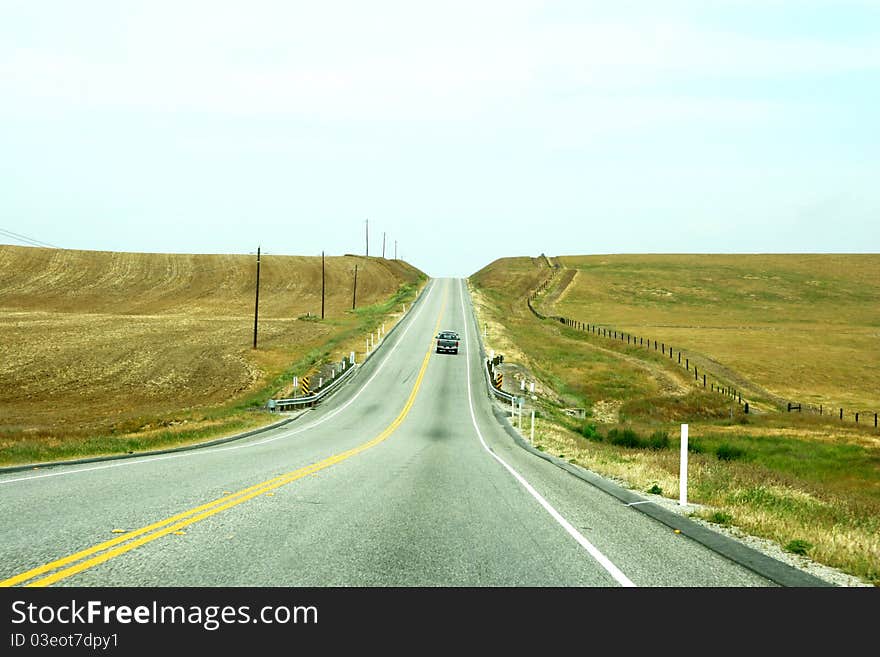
[{"x": 32, "y": 241}]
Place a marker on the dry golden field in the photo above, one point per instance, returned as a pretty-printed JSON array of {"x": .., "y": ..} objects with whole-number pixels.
[
  {"x": 810, "y": 484},
  {"x": 803, "y": 328},
  {"x": 102, "y": 343}
]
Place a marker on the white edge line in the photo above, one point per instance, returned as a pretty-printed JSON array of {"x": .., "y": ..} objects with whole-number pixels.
[
  {"x": 201, "y": 452},
  {"x": 606, "y": 563}
]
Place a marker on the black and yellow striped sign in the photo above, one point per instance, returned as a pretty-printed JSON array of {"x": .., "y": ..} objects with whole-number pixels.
[
  {"x": 304, "y": 386},
  {"x": 499, "y": 378}
]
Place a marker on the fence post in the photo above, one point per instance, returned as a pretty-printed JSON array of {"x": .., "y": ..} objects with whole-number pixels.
[
  {"x": 704, "y": 380},
  {"x": 682, "y": 471},
  {"x": 857, "y": 418},
  {"x": 841, "y": 413},
  {"x": 746, "y": 409}
]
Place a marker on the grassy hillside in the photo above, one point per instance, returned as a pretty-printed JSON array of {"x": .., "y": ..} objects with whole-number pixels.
[
  {"x": 110, "y": 351},
  {"x": 811, "y": 484},
  {"x": 799, "y": 327}
]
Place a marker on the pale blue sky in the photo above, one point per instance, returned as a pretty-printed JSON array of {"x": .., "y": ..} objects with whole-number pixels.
[{"x": 465, "y": 130}]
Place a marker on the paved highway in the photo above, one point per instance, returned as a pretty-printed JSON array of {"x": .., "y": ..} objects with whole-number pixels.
[{"x": 404, "y": 477}]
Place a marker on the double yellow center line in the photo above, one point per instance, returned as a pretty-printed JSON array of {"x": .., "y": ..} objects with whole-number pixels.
[{"x": 75, "y": 563}]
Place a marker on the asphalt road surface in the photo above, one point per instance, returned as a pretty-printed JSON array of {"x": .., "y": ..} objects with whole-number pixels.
[{"x": 403, "y": 478}]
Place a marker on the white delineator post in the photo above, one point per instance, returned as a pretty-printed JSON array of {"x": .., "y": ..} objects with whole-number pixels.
[
  {"x": 682, "y": 474},
  {"x": 533, "y": 426}
]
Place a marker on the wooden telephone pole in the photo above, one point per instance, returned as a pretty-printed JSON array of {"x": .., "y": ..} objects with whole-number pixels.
[
  {"x": 368, "y": 238},
  {"x": 257, "y": 301},
  {"x": 354, "y": 292},
  {"x": 322, "y": 285}
]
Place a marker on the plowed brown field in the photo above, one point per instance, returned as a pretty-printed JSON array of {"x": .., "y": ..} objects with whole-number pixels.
[{"x": 113, "y": 343}]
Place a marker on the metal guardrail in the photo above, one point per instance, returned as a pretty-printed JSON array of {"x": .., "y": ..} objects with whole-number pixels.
[
  {"x": 506, "y": 396},
  {"x": 281, "y": 404}
]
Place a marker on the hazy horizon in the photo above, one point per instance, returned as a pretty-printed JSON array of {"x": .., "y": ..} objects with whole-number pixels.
[{"x": 467, "y": 132}]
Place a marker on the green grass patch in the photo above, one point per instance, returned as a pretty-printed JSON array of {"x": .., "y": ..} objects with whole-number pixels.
[
  {"x": 726, "y": 452},
  {"x": 798, "y": 546},
  {"x": 721, "y": 518}
]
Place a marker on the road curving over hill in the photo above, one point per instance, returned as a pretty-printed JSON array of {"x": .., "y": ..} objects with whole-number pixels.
[{"x": 403, "y": 478}]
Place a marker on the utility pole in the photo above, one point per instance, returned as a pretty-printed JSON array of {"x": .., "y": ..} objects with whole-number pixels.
[
  {"x": 322, "y": 285},
  {"x": 257, "y": 301},
  {"x": 383, "y": 244},
  {"x": 354, "y": 293},
  {"x": 368, "y": 238},
  {"x": 395, "y": 249}
]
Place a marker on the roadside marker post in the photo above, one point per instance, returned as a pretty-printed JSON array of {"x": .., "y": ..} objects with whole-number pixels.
[
  {"x": 532, "y": 432},
  {"x": 682, "y": 473}
]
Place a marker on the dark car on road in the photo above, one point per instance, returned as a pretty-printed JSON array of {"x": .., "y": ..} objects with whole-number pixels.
[{"x": 447, "y": 342}]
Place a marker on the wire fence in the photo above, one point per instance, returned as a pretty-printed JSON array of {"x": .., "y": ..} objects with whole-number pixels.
[{"x": 702, "y": 378}]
